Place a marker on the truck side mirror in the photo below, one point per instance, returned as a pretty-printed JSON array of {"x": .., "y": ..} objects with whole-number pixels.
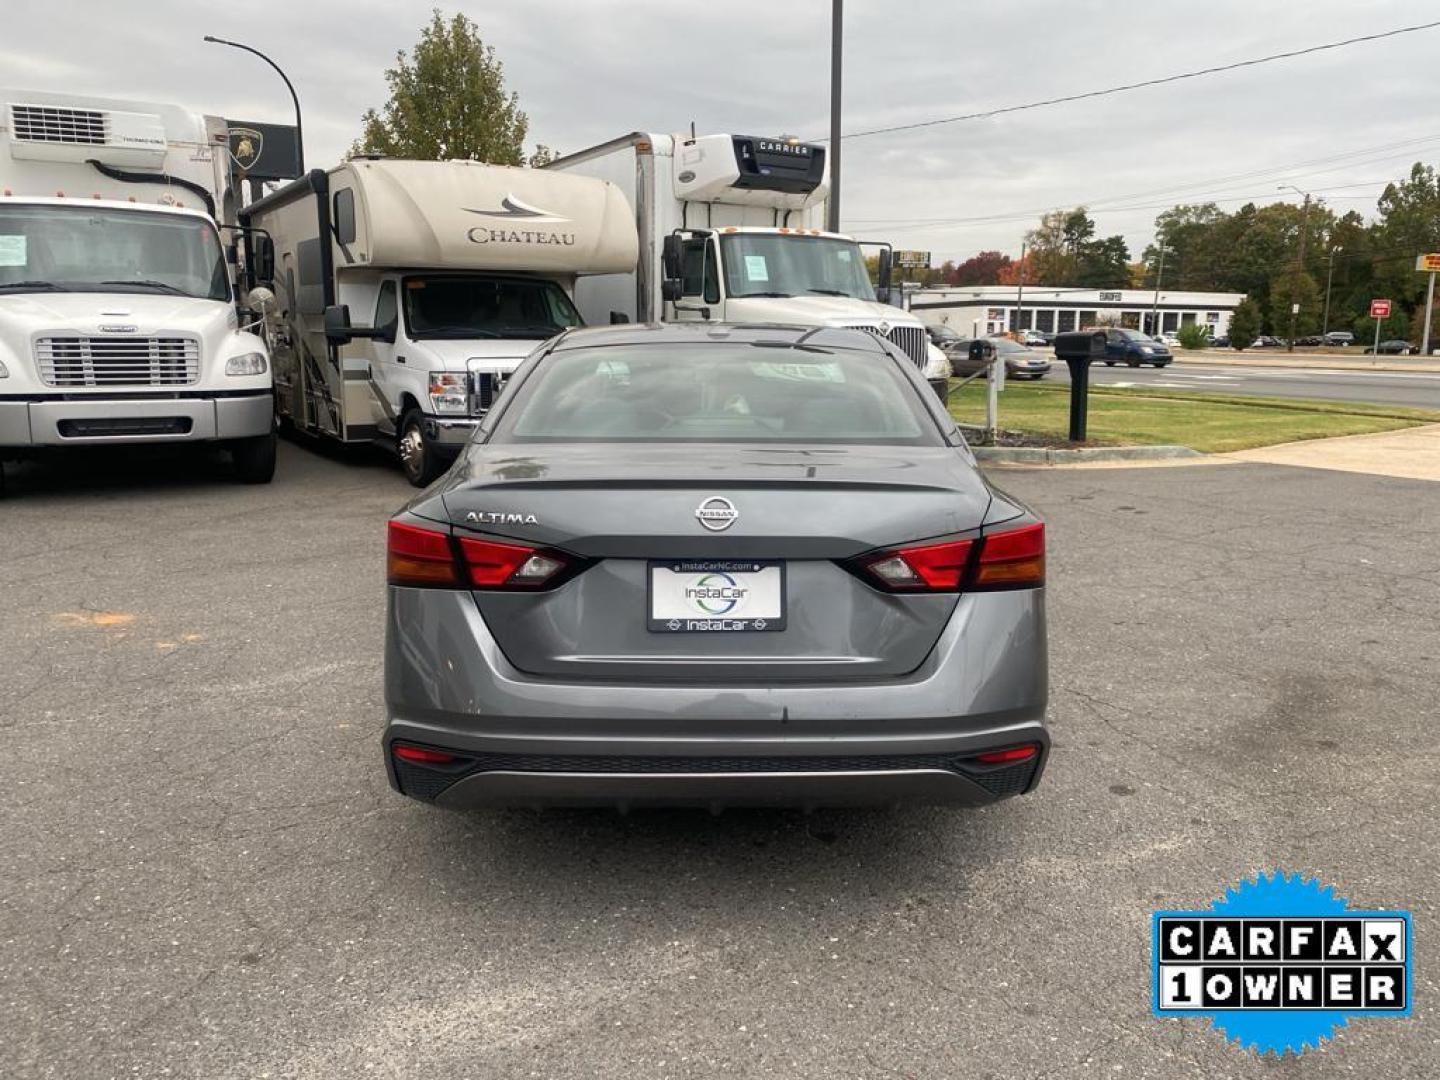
[
  {"x": 882, "y": 288},
  {"x": 670, "y": 289},
  {"x": 263, "y": 250},
  {"x": 337, "y": 324},
  {"x": 671, "y": 258}
]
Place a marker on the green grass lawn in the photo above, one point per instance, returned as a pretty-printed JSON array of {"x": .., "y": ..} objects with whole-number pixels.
[{"x": 1211, "y": 423}]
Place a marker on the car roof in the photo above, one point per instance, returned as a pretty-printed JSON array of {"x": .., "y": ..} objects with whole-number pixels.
[{"x": 836, "y": 337}]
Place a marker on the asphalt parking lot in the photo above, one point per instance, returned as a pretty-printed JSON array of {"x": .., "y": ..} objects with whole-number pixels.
[{"x": 205, "y": 874}]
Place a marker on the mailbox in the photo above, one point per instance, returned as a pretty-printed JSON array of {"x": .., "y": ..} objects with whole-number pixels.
[
  {"x": 982, "y": 351},
  {"x": 1079, "y": 349}
]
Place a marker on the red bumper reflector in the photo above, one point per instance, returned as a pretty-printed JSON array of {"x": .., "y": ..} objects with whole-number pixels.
[
  {"x": 422, "y": 756},
  {"x": 1008, "y": 757}
]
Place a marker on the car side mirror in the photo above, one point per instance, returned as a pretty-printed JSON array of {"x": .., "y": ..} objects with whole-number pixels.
[
  {"x": 337, "y": 324},
  {"x": 386, "y": 333},
  {"x": 670, "y": 289}
]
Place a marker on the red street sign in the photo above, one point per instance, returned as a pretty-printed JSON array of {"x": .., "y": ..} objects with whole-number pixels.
[{"x": 1379, "y": 309}]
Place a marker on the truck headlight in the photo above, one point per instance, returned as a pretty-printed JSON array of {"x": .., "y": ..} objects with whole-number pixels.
[
  {"x": 448, "y": 392},
  {"x": 937, "y": 364},
  {"x": 250, "y": 363}
]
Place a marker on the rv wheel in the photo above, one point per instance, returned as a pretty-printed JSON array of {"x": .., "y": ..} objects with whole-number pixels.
[{"x": 417, "y": 455}]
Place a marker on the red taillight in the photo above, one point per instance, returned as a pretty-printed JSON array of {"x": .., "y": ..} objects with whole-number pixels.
[
  {"x": 421, "y": 756},
  {"x": 934, "y": 568},
  {"x": 1011, "y": 559},
  {"x": 493, "y": 565},
  {"x": 1007, "y": 757},
  {"x": 416, "y": 556}
]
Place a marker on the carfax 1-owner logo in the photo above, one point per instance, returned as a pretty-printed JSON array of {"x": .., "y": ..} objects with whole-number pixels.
[{"x": 1279, "y": 963}]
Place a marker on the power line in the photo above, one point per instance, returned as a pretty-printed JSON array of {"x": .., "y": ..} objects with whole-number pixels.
[{"x": 1002, "y": 110}]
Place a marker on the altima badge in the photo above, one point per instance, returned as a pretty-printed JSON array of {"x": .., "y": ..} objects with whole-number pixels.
[{"x": 717, "y": 513}]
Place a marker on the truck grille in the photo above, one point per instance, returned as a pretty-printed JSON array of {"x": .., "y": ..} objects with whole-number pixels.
[
  {"x": 910, "y": 340},
  {"x": 101, "y": 361},
  {"x": 45, "y": 123},
  {"x": 484, "y": 389}
]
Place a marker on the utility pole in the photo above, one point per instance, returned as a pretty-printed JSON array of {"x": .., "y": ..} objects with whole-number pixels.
[
  {"x": 1155, "y": 304},
  {"x": 1429, "y": 306},
  {"x": 832, "y": 210},
  {"x": 1329, "y": 276},
  {"x": 1019, "y": 288},
  {"x": 1299, "y": 262}
]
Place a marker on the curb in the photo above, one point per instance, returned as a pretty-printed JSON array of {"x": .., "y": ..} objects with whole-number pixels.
[
  {"x": 1420, "y": 365},
  {"x": 1039, "y": 455}
]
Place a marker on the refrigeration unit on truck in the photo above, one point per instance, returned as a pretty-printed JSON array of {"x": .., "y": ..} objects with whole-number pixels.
[
  {"x": 408, "y": 290},
  {"x": 732, "y": 229},
  {"x": 118, "y": 319}
]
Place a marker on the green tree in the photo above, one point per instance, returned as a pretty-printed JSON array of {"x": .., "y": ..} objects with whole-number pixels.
[
  {"x": 1409, "y": 225},
  {"x": 1294, "y": 286},
  {"x": 1244, "y": 324},
  {"x": 448, "y": 102},
  {"x": 1103, "y": 264}
]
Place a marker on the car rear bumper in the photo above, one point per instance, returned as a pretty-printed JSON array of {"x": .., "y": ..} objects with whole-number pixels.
[
  {"x": 524, "y": 740},
  {"x": 79, "y": 421}
]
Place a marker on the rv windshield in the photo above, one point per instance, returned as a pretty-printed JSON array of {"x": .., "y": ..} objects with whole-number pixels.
[
  {"x": 781, "y": 264},
  {"x": 93, "y": 249},
  {"x": 457, "y": 306}
]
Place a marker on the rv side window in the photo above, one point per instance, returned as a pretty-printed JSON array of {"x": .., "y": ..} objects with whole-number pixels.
[
  {"x": 345, "y": 215},
  {"x": 386, "y": 306}
]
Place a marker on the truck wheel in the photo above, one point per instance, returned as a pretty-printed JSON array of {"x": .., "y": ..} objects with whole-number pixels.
[
  {"x": 254, "y": 459},
  {"x": 417, "y": 456}
]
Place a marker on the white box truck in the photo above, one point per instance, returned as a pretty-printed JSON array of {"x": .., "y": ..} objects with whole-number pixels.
[
  {"x": 118, "y": 317},
  {"x": 732, "y": 229},
  {"x": 408, "y": 290}
]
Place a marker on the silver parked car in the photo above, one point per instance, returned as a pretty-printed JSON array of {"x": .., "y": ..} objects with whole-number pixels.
[{"x": 715, "y": 565}]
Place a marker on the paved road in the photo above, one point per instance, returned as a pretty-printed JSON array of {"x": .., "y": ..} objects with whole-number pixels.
[
  {"x": 1417, "y": 389},
  {"x": 204, "y": 874}
]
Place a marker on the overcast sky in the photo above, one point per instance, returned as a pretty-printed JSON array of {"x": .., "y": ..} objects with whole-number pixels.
[{"x": 588, "y": 71}]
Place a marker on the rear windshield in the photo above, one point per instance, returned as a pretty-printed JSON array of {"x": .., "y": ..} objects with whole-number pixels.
[{"x": 717, "y": 392}]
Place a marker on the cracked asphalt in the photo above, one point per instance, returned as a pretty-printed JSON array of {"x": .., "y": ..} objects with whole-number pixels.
[{"x": 204, "y": 874}]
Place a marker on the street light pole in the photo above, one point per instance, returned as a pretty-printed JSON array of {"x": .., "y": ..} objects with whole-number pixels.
[
  {"x": 1299, "y": 262},
  {"x": 1329, "y": 277},
  {"x": 299, "y": 136},
  {"x": 1155, "y": 304},
  {"x": 1019, "y": 288},
  {"x": 832, "y": 210}
]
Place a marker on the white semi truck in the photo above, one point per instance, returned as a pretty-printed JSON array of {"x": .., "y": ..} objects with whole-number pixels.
[
  {"x": 408, "y": 290},
  {"x": 118, "y": 317},
  {"x": 731, "y": 228}
]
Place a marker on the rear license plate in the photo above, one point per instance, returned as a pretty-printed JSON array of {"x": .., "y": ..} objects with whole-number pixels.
[{"x": 716, "y": 596}]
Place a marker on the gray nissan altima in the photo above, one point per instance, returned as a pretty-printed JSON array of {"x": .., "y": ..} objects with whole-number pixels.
[{"x": 715, "y": 565}]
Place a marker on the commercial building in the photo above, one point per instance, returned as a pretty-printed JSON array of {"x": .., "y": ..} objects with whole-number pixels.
[{"x": 977, "y": 310}]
